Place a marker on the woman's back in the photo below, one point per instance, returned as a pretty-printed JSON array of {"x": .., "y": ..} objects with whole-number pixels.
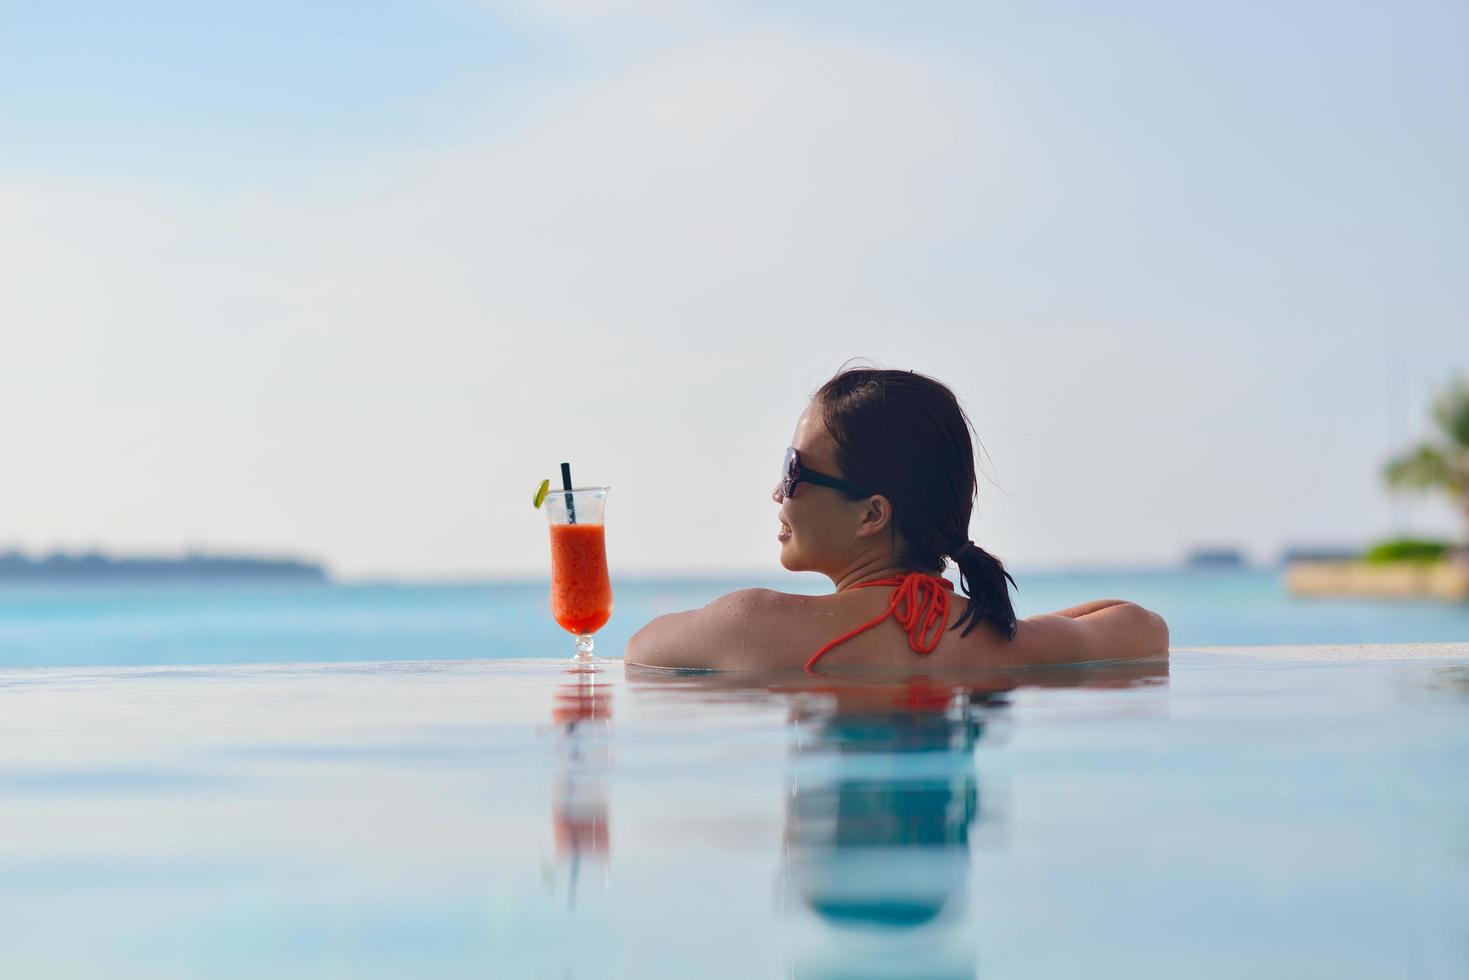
[{"x": 760, "y": 629}]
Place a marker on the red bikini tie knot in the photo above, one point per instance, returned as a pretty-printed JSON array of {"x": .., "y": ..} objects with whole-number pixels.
[{"x": 921, "y": 606}]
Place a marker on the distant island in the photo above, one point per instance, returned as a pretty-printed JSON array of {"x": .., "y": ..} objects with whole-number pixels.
[{"x": 92, "y": 565}]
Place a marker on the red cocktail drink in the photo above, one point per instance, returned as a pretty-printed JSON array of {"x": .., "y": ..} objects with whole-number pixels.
[{"x": 581, "y": 592}]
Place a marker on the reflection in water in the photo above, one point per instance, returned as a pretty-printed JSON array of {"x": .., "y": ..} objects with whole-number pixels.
[
  {"x": 583, "y": 710},
  {"x": 1454, "y": 678},
  {"x": 872, "y": 786},
  {"x": 882, "y": 798},
  {"x": 883, "y": 793}
]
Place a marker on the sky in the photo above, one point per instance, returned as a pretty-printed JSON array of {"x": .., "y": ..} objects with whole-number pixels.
[{"x": 348, "y": 280}]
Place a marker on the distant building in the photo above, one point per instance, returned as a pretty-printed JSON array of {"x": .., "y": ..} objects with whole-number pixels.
[
  {"x": 1215, "y": 558},
  {"x": 93, "y": 565},
  {"x": 1296, "y": 553}
]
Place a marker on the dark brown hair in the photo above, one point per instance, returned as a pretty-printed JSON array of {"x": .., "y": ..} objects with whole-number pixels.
[{"x": 906, "y": 436}]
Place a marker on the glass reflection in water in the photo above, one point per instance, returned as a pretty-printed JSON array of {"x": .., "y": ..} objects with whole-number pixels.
[{"x": 582, "y": 710}]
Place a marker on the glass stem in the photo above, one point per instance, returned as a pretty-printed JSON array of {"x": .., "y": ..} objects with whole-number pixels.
[{"x": 584, "y": 647}]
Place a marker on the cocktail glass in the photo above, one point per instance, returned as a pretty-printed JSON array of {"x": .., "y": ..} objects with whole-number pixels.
[{"x": 581, "y": 592}]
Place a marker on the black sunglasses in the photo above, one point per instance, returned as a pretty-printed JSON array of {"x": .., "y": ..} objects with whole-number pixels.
[{"x": 793, "y": 473}]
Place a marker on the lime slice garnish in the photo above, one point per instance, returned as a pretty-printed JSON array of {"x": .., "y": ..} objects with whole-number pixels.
[{"x": 541, "y": 492}]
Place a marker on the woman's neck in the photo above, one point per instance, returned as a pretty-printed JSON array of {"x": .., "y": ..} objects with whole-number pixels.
[{"x": 867, "y": 569}]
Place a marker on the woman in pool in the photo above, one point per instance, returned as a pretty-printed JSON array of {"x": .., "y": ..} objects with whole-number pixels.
[{"x": 876, "y": 493}]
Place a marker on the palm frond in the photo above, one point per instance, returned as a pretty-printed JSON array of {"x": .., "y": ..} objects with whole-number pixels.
[
  {"x": 1423, "y": 468},
  {"x": 1451, "y": 412},
  {"x": 1442, "y": 464}
]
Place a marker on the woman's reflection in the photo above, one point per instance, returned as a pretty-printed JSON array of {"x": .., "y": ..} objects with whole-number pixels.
[{"x": 883, "y": 793}]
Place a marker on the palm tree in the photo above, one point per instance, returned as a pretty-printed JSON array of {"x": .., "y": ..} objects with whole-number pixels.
[{"x": 1443, "y": 463}]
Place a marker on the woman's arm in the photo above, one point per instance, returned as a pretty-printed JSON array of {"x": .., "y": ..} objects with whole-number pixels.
[
  {"x": 1108, "y": 629},
  {"x": 1087, "y": 608}
]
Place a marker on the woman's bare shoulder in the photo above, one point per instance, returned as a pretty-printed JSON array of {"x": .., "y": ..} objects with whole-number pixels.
[{"x": 749, "y": 629}]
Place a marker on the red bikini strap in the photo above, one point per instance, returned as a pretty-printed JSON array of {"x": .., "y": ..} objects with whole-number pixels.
[{"x": 920, "y": 604}]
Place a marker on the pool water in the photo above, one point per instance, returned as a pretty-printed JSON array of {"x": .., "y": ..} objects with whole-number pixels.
[{"x": 1262, "y": 812}]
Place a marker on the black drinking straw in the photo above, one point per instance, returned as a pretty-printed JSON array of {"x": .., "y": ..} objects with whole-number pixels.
[{"x": 566, "y": 485}]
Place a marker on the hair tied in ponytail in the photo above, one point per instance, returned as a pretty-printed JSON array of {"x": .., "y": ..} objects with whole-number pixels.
[{"x": 984, "y": 580}]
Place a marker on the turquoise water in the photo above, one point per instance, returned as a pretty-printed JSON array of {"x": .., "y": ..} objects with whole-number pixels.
[
  {"x": 384, "y": 781},
  {"x": 1265, "y": 814},
  {"x": 183, "y": 624}
]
